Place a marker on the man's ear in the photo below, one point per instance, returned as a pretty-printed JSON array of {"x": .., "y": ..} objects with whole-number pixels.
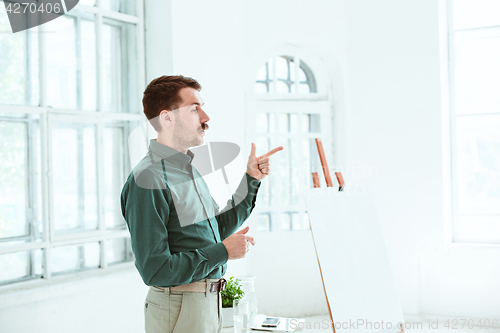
[{"x": 166, "y": 118}]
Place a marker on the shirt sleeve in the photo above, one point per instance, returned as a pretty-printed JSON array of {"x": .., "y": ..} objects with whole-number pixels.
[
  {"x": 239, "y": 207},
  {"x": 146, "y": 210}
]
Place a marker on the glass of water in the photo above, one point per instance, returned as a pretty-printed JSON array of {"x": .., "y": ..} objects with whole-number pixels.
[{"x": 240, "y": 313}]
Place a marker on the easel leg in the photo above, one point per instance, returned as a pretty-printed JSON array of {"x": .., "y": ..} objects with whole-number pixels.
[{"x": 323, "y": 282}]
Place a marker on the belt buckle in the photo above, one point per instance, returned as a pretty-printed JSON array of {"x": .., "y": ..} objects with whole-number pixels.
[
  {"x": 222, "y": 284},
  {"x": 218, "y": 286}
]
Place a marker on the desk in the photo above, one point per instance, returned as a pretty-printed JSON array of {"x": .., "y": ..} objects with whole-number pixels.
[
  {"x": 312, "y": 320},
  {"x": 414, "y": 322}
]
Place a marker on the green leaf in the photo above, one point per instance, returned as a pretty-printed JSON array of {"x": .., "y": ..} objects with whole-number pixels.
[{"x": 233, "y": 291}]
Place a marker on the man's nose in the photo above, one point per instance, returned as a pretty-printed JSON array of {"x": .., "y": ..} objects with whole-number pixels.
[{"x": 203, "y": 116}]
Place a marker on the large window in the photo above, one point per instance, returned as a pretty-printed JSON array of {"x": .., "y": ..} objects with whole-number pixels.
[
  {"x": 287, "y": 111},
  {"x": 70, "y": 95},
  {"x": 474, "y": 40}
]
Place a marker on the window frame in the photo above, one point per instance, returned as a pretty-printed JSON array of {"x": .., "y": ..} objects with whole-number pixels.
[
  {"x": 99, "y": 117},
  {"x": 300, "y": 101},
  {"x": 450, "y": 141}
]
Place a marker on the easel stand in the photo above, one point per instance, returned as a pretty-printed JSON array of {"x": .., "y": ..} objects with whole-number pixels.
[
  {"x": 329, "y": 183},
  {"x": 326, "y": 171},
  {"x": 323, "y": 282}
]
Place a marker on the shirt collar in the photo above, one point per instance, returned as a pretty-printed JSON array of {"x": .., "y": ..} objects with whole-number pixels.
[{"x": 175, "y": 157}]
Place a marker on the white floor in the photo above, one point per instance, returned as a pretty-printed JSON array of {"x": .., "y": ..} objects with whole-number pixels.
[{"x": 318, "y": 324}]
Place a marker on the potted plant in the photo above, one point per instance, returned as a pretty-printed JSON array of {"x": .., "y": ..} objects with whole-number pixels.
[{"x": 233, "y": 291}]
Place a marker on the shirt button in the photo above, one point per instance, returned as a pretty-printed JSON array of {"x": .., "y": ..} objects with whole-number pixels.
[{"x": 146, "y": 305}]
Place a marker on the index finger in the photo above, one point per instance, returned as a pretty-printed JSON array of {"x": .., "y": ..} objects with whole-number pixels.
[{"x": 272, "y": 152}]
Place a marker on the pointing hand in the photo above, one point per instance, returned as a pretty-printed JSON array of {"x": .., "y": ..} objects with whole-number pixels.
[{"x": 259, "y": 167}]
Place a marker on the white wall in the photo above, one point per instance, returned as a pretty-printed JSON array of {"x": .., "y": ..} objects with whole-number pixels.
[
  {"x": 97, "y": 303},
  {"x": 394, "y": 122}
]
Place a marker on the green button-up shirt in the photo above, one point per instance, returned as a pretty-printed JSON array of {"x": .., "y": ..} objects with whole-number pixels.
[{"x": 175, "y": 225}]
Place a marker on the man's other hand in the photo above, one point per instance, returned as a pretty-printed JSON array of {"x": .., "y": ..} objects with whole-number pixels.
[
  {"x": 238, "y": 244},
  {"x": 259, "y": 167}
]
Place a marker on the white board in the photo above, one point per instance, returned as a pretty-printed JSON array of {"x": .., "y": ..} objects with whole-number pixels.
[{"x": 356, "y": 272}]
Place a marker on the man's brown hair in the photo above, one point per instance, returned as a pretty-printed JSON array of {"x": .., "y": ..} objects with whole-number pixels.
[{"x": 163, "y": 94}]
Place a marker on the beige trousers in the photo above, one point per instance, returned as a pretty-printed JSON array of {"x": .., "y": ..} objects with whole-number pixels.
[{"x": 167, "y": 311}]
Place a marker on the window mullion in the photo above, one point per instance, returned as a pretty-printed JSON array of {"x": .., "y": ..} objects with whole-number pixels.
[
  {"x": 453, "y": 146},
  {"x": 104, "y": 249},
  {"x": 27, "y": 82},
  {"x": 140, "y": 48},
  {"x": 267, "y": 77},
  {"x": 51, "y": 238},
  {"x": 31, "y": 215},
  {"x": 43, "y": 66},
  {"x": 80, "y": 183},
  {"x": 300, "y": 137},
  {"x": 100, "y": 138},
  {"x": 100, "y": 188},
  {"x": 46, "y": 195},
  {"x": 296, "y": 63},
  {"x": 99, "y": 72},
  {"x": 289, "y": 81},
  {"x": 28, "y": 185},
  {"x": 120, "y": 49},
  {"x": 290, "y": 172},
  {"x": 81, "y": 256},
  {"x": 78, "y": 51},
  {"x": 269, "y": 187},
  {"x": 275, "y": 62},
  {"x": 44, "y": 153}
]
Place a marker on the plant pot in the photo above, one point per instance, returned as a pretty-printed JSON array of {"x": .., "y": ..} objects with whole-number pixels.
[{"x": 227, "y": 317}]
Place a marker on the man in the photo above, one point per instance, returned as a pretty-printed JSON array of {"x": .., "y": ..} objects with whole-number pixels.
[{"x": 180, "y": 240}]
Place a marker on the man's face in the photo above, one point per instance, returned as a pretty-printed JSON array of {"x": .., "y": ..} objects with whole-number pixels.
[{"x": 190, "y": 119}]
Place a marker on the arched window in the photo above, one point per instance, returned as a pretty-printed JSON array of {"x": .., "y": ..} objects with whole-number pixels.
[
  {"x": 282, "y": 75},
  {"x": 287, "y": 110}
]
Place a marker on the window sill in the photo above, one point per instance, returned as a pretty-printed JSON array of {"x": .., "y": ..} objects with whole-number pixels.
[
  {"x": 39, "y": 290},
  {"x": 462, "y": 248},
  {"x": 475, "y": 245}
]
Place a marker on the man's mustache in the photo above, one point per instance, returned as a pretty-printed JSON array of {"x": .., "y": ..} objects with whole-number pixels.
[{"x": 204, "y": 126}]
